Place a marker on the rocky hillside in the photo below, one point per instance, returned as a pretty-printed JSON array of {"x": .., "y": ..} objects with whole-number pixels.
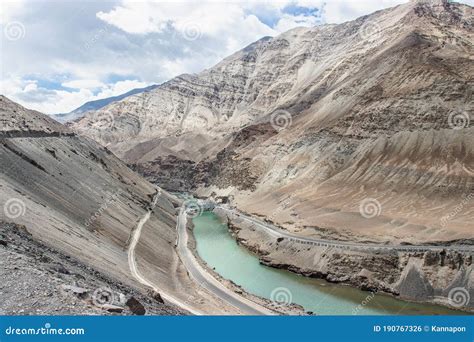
[
  {"x": 39, "y": 280},
  {"x": 16, "y": 121},
  {"x": 76, "y": 203},
  {"x": 361, "y": 130}
]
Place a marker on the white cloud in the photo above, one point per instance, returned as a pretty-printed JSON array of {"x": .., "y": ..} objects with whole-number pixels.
[
  {"x": 339, "y": 11},
  {"x": 287, "y": 22},
  {"x": 30, "y": 87},
  {"x": 28, "y": 93},
  {"x": 78, "y": 84},
  {"x": 132, "y": 17},
  {"x": 146, "y": 17},
  {"x": 226, "y": 22},
  {"x": 10, "y": 10},
  {"x": 64, "y": 101},
  {"x": 120, "y": 88},
  {"x": 78, "y": 51}
]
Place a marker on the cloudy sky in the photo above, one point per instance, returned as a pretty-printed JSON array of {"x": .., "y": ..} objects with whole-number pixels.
[{"x": 57, "y": 55}]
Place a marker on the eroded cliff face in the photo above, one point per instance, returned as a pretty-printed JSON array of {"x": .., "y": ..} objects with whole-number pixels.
[
  {"x": 308, "y": 127},
  {"x": 443, "y": 276}
]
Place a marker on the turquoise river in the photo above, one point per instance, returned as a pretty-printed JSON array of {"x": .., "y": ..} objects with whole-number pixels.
[{"x": 220, "y": 251}]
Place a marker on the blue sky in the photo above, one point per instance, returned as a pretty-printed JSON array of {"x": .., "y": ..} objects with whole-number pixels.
[{"x": 56, "y": 55}]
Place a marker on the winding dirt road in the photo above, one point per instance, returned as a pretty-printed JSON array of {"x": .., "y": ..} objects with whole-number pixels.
[
  {"x": 133, "y": 262},
  {"x": 195, "y": 270}
]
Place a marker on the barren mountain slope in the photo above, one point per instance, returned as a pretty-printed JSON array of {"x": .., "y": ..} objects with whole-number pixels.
[
  {"x": 359, "y": 130},
  {"x": 80, "y": 200},
  {"x": 16, "y": 120}
]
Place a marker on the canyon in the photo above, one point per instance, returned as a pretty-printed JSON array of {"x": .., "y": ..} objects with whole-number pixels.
[
  {"x": 358, "y": 133},
  {"x": 67, "y": 198},
  {"x": 304, "y": 127}
]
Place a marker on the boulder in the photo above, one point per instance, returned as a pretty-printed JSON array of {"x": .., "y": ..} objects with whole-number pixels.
[
  {"x": 58, "y": 268},
  {"x": 112, "y": 308},
  {"x": 156, "y": 296},
  {"x": 79, "y": 292},
  {"x": 135, "y": 306}
]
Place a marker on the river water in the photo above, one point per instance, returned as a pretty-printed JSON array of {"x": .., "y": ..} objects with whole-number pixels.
[{"x": 220, "y": 251}]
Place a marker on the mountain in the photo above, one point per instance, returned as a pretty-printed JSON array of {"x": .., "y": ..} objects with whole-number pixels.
[
  {"x": 358, "y": 131},
  {"x": 69, "y": 211},
  {"x": 98, "y": 104}
]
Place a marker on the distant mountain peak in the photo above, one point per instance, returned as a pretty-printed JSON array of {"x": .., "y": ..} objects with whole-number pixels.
[
  {"x": 304, "y": 70},
  {"x": 98, "y": 104}
]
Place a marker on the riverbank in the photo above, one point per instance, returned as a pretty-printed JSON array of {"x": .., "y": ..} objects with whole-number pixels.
[
  {"x": 278, "y": 308},
  {"x": 429, "y": 277}
]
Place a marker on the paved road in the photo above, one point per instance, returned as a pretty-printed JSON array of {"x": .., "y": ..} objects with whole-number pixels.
[
  {"x": 280, "y": 233},
  {"x": 207, "y": 281}
]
